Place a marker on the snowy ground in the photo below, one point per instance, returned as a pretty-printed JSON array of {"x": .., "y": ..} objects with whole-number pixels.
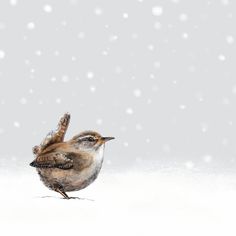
[{"x": 131, "y": 203}]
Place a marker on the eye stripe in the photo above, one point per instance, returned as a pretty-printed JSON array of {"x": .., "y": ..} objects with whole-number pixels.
[{"x": 86, "y": 137}]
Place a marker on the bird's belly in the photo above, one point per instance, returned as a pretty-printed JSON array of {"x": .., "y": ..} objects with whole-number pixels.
[{"x": 70, "y": 180}]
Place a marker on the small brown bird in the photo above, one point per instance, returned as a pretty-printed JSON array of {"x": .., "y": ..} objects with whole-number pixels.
[{"x": 72, "y": 165}]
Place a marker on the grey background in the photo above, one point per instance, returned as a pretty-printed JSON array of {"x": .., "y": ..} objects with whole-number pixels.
[{"x": 157, "y": 75}]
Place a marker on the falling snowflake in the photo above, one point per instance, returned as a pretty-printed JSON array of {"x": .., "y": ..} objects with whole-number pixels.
[
  {"x": 157, "y": 11},
  {"x": 234, "y": 89},
  {"x": 13, "y": 2},
  {"x": 182, "y": 107},
  {"x": 185, "y": 35},
  {"x": 38, "y": 53},
  {"x": 225, "y": 2},
  {"x": 2, "y": 26},
  {"x": 138, "y": 127},
  {"x": 157, "y": 25},
  {"x": 99, "y": 121},
  {"x": 221, "y": 57},
  {"x": 31, "y": 25},
  {"x": 53, "y": 79},
  {"x": 189, "y": 165},
  {"x": 157, "y": 64},
  {"x": 183, "y": 17},
  {"x": 16, "y": 124},
  {"x": 137, "y": 92},
  {"x": 65, "y": 78},
  {"x": 81, "y": 35},
  {"x": 2, "y": 54},
  {"x": 125, "y": 15},
  {"x": 23, "y": 101},
  {"x": 92, "y": 89},
  {"x": 98, "y": 11},
  {"x": 204, "y": 127},
  {"x": 129, "y": 111},
  {"x": 47, "y": 8},
  {"x": 229, "y": 39},
  {"x": 90, "y": 75},
  {"x": 113, "y": 38},
  {"x": 126, "y": 144},
  {"x": 207, "y": 158},
  {"x": 58, "y": 100}
]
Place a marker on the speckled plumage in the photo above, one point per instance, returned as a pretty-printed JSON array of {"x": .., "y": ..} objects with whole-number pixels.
[{"x": 72, "y": 165}]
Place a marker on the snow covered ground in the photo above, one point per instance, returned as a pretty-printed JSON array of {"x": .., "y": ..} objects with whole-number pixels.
[{"x": 131, "y": 203}]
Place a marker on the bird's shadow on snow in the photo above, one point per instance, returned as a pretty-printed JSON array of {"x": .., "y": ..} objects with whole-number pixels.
[{"x": 73, "y": 198}]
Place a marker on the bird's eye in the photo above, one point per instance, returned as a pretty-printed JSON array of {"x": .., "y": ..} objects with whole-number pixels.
[{"x": 91, "y": 139}]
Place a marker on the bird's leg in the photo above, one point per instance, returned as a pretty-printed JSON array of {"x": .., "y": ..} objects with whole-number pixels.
[{"x": 62, "y": 193}]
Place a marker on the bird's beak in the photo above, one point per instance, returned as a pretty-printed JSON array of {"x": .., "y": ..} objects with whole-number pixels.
[{"x": 105, "y": 139}]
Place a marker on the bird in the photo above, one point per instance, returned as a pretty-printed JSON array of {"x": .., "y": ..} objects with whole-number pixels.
[{"x": 65, "y": 166}]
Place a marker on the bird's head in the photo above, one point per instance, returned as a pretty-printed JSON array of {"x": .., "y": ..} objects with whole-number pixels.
[{"x": 90, "y": 140}]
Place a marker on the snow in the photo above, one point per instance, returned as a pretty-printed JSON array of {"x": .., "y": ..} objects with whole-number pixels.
[
  {"x": 98, "y": 11},
  {"x": 47, "y": 8},
  {"x": 157, "y": 11},
  {"x": 125, "y": 15},
  {"x": 31, "y": 25},
  {"x": 163, "y": 203},
  {"x": 13, "y": 2},
  {"x": 221, "y": 57},
  {"x": 90, "y": 75},
  {"x": 129, "y": 111},
  {"x": 2, "y": 54},
  {"x": 183, "y": 17},
  {"x": 229, "y": 39}
]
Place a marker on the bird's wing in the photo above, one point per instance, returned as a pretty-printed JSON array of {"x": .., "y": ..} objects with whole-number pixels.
[
  {"x": 55, "y": 136},
  {"x": 54, "y": 160}
]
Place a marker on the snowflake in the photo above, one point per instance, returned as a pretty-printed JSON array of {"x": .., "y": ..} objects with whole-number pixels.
[
  {"x": 58, "y": 100},
  {"x": 137, "y": 92},
  {"x": 65, "y": 78},
  {"x": 157, "y": 64},
  {"x": 150, "y": 47},
  {"x": 81, "y": 35},
  {"x": 125, "y": 15},
  {"x": 138, "y": 127},
  {"x": 157, "y": 25},
  {"x": 16, "y": 124},
  {"x": 31, "y": 25},
  {"x": 47, "y": 8},
  {"x": 90, "y": 75},
  {"x": 13, "y": 2},
  {"x": 157, "y": 11},
  {"x": 113, "y": 38},
  {"x": 129, "y": 111},
  {"x": 98, "y": 11},
  {"x": 92, "y": 89},
  {"x": 189, "y": 165},
  {"x": 126, "y": 144},
  {"x": 183, "y": 17},
  {"x": 2, "y": 26},
  {"x": 229, "y": 39},
  {"x": 234, "y": 89},
  {"x": 221, "y": 57},
  {"x": 225, "y": 2},
  {"x": 182, "y": 107},
  {"x": 204, "y": 127},
  {"x": 23, "y": 101},
  {"x": 185, "y": 35},
  {"x": 2, "y": 54},
  {"x": 207, "y": 158},
  {"x": 99, "y": 121},
  {"x": 38, "y": 53}
]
